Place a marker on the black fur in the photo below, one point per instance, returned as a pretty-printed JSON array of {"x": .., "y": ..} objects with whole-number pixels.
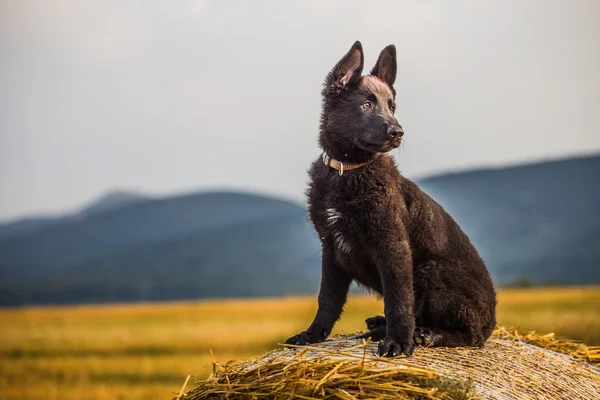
[{"x": 380, "y": 230}]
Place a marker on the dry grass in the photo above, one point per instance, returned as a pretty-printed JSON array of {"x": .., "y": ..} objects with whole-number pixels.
[
  {"x": 339, "y": 368},
  {"x": 145, "y": 351},
  {"x": 322, "y": 372},
  {"x": 568, "y": 312}
]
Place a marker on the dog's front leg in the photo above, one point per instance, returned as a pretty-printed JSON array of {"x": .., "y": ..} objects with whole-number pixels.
[
  {"x": 335, "y": 283},
  {"x": 395, "y": 268}
]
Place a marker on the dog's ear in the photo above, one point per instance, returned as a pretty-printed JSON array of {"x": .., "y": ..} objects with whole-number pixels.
[
  {"x": 385, "y": 68},
  {"x": 348, "y": 69}
]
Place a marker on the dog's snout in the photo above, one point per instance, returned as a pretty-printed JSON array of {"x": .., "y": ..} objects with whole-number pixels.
[{"x": 395, "y": 130}]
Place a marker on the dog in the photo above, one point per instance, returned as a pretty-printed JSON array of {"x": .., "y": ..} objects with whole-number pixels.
[{"x": 381, "y": 230}]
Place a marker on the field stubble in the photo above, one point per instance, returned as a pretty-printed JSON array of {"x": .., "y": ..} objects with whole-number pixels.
[{"x": 145, "y": 351}]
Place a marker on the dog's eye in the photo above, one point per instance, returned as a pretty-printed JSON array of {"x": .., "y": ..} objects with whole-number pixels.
[
  {"x": 366, "y": 104},
  {"x": 392, "y": 107}
]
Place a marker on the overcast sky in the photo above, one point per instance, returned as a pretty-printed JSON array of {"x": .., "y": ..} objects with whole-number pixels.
[{"x": 176, "y": 96}]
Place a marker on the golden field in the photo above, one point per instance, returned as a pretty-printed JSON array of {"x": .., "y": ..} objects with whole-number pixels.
[{"x": 145, "y": 351}]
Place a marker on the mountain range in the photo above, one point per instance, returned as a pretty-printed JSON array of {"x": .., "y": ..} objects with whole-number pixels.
[{"x": 534, "y": 224}]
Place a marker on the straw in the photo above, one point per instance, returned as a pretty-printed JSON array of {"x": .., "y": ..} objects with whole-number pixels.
[{"x": 511, "y": 365}]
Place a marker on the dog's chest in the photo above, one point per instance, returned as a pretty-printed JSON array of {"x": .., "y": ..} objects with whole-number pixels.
[
  {"x": 336, "y": 226},
  {"x": 348, "y": 211},
  {"x": 341, "y": 225}
]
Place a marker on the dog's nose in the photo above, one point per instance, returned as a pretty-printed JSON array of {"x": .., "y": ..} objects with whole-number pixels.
[{"x": 395, "y": 131}]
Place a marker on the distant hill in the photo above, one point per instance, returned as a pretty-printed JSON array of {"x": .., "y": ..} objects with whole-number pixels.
[
  {"x": 26, "y": 225},
  {"x": 112, "y": 201},
  {"x": 199, "y": 245},
  {"x": 109, "y": 201},
  {"x": 534, "y": 223}
]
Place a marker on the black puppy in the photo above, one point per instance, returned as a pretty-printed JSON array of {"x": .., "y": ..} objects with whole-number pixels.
[{"x": 380, "y": 230}]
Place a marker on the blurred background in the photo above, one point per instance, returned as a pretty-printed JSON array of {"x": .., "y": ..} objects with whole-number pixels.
[{"x": 157, "y": 151}]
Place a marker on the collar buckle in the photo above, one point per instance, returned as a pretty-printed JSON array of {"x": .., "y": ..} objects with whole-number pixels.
[{"x": 340, "y": 166}]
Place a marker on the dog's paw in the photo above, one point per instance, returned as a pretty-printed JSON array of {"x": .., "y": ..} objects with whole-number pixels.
[
  {"x": 376, "y": 334},
  {"x": 423, "y": 336},
  {"x": 300, "y": 339},
  {"x": 393, "y": 348},
  {"x": 304, "y": 338},
  {"x": 375, "y": 322}
]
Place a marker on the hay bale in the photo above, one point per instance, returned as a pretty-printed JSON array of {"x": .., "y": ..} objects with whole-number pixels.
[{"x": 510, "y": 366}]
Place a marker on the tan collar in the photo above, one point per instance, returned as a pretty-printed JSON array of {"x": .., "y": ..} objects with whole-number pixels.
[{"x": 340, "y": 166}]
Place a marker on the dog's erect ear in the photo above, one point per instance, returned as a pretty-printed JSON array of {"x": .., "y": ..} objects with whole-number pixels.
[
  {"x": 348, "y": 69},
  {"x": 385, "y": 68}
]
